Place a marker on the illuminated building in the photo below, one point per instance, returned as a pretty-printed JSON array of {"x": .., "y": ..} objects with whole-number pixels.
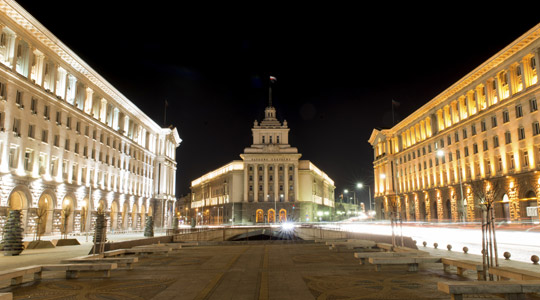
[
  {"x": 69, "y": 141},
  {"x": 270, "y": 178},
  {"x": 482, "y": 132}
]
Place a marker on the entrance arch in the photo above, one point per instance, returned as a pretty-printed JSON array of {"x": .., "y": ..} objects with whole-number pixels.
[
  {"x": 422, "y": 211},
  {"x": 448, "y": 206},
  {"x": 44, "y": 214},
  {"x": 18, "y": 200},
  {"x": 114, "y": 215},
  {"x": 434, "y": 214},
  {"x": 67, "y": 215},
  {"x": 502, "y": 208},
  {"x": 271, "y": 216},
  {"x": 283, "y": 215},
  {"x": 529, "y": 207},
  {"x": 259, "y": 216},
  {"x": 143, "y": 216},
  {"x": 125, "y": 215},
  {"x": 134, "y": 217}
]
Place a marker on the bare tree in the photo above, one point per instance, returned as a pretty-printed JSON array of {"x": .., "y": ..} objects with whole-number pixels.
[
  {"x": 67, "y": 213},
  {"x": 41, "y": 215},
  {"x": 484, "y": 194}
]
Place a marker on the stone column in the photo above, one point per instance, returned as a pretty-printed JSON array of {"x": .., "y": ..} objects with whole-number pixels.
[
  {"x": 537, "y": 63},
  {"x": 295, "y": 182},
  {"x": 246, "y": 183},
  {"x": 15, "y": 43},
  {"x": 265, "y": 183},
  {"x": 276, "y": 183},
  {"x": 103, "y": 110},
  {"x": 255, "y": 182},
  {"x": 286, "y": 182}
]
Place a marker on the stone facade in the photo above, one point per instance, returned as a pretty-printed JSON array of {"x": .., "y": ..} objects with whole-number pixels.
[
  {"x": 69, "y": 141},
  {"x": 477, "y": 142}
]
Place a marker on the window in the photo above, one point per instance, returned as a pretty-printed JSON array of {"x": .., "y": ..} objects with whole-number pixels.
[
  {"x": 13, "y": 159},
  {"x": 58, "y": 118},
  {"x": 533, "y": 105},
  {"x": 78, "y": 127},
  {"x": 17, "y": 127},
  {"x": 473, "y": 130},
  {"x": 536, "y": 128},
  {"x": 450, "y": 156},
  {"x": 458, "y": 154},
  {"x": 2, "y": 91},
  {"x": 33, "y": 106},
  {"x": 68, "y": 122},
  {"x": 19, "y": 99},
  {"x": 506, "y": 116},
  {"x": 521, "y": 133},
  {"x": 499, "y": 164},
  {"x": 525, "y": 158},
  {"x": 495, "y": 141},
  {"x": 493, "y": 121},
  {"x": 46, "y": 112},
  {"x": 485, "y": 145},
  {"x": 449, "y": 140},
  {"x": 277, "y": 139},
  {"x": 67, "y": 145},
  {"x": 270, "y": 139},
  {"x": 507, "y": 137},
  {"x": 57, "y": 140},
  {"x": 76, "y": 149},
  {"x": 45, "y": 136},
  {"x": 466, "y": 151},
  {"x": 464, "y": 133},
  {"x": 511, "y": 162},
  {"x": 31, "y": 131},
  {"x": 86, "y": 130},
  {"x": 519, "y": 111},
  {"x": 483, "y": 125},
  {"x": 263, "y": 139},
  {"x": 475, "y": 148},
  {"x": 442, "y": 143},
  {"x": 28, "y": 160}
]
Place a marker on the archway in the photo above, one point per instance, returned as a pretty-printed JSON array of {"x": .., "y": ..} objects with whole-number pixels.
[
  {"x": 67, "y": 215},
  {"x": 502, "y": 208},
  {"x": 44, "y": 214},
  {"x": 134, "y": 217},
  {"x": 422, "y": 211},
  {"x": 143, "y": 216},
  {"x": 448, "y": 205},
  {"x": 403, "y": 208},
  {"x": 271, "y": 216},
  {"x": 433, "y": 207},
  {"x": 259, "y": 216},
  {"x": 18, "y": 200},
  {"x": 114, "y": 215},
  {"x": 283, "y": 215},
  {"x": 125, "y": 215}
]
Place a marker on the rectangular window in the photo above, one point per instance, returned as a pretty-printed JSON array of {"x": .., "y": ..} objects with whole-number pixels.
[
  {"x": 466, "y": 151},
  {"x": 485, "y": 145},
  {"x": 57, "y": 140},
  {"x": 533, "y": 105},
  {"x": 449, "y": 140},
  {"x": 33, "y": 106},
  {"x": 536, "y": 128},
  {"x": 483, "y": 125},
  {"x": 505, "y": 116},
  {"x": 45, "y": 136},
  {"x": 19, "y": 99},
  {"x": 521, "y": 133},
  {"x": 31, "y": 131},
  {"x": 3, "y": 90},
  {"x": 456, "y": 137},
  {"x": 68, "y": 122},
  {"x": 58, "y": 118},
  {"x": 525, "y": 158},
  {"x": 511, "y": 162},
  {"x": 495, "y": 141},
  {"x": 473, "y": 130},
  {"x": 76, "y": 149},
  {"x": 86, "y": 130},
  {"x": 475, "y": 148},
  {"x": 493, "y": 121},
  {"x": 450, "y": 156},
  {"x": 17, "y": 127},
  {"x": 67, "y": 144},
  {"x": 507, "y": 137},
  {"x": 28, "y": 160},
  {"x": 46, "y": 112},
  {"x": 519, "y": 111},
  {"x": 13, "y": 157}
]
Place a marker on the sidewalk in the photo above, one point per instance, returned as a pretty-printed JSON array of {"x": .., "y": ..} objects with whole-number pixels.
[{"x": 55, "y": 255}]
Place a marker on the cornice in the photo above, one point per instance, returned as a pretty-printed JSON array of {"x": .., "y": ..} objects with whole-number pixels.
[
  {"x": 34, "y": 28},
  {"x": 496, "y": 60}
]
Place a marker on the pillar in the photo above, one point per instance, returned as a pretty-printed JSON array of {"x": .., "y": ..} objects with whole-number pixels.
[
  {"x": 286, "y": 182},
  {"x": 265, "y": 183},
  {"x": 255, "y": 182},
  {"x": 246, "y": 183}
]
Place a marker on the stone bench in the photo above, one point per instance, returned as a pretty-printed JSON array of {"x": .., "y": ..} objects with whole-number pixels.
[
  {"x": 364, "y": 256},
  {"x": 148, "y": 250},
  {"x": 188, "y": 244},
  {"x": 462, "y": 265},
  {"x": 112, "y": 253},
  {"x": 411, "y": 262},
  {"x": 511, "y": 289},
  {"x": 6, "y": 296},
  {"x": 513, "y": 273},
  {"x": 16, "y": 275},
  {"x": 127, "y": 261},
  {"x": 352, "y": 244},
  {"x": 72, "y": 270}
]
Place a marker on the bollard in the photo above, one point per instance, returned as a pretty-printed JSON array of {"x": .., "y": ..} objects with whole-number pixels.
[
  {"x": 465, "y": 250},
  {"x": 449, "y": 247},
  {"x": 534, "y": 259},
  {"x": 435, "y": 245},
  {"x": 424, "y": 243},
  {"x": 507, "y": 255}
]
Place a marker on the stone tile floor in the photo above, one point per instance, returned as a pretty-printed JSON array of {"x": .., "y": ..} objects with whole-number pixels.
[{"x": 253, "y": 271}]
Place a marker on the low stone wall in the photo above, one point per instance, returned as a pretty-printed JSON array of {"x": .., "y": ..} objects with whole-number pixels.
[
  {"x": 139, "y": 242},
  {"x": 307, "y": 233}
]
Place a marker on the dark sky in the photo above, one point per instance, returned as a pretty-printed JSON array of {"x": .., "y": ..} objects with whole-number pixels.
[{"x": 338, "y": 67}]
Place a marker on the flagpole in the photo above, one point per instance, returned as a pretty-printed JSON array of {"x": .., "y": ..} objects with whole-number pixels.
[
  {"x": 165, "y": 114},
  {"x": 393, "y": 122}
]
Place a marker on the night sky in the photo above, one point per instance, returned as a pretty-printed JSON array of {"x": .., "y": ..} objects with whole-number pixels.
[{"x": 337, "y": 67}]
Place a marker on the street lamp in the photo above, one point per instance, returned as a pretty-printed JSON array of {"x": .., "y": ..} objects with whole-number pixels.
[
  {"x": 440, "y": 153},
  {"x": 346, "y": 191},
  {"x": 361, "y": 186}
]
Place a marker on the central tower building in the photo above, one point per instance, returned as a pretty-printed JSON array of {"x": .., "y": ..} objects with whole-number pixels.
[{"x": 270, "y": 184}]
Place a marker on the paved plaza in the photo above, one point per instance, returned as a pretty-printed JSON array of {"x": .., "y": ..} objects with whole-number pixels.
[{"x": 254, "y": 270}]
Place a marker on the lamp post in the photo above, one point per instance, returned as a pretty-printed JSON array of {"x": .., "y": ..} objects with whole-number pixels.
[
  {"x": 461, "y": 208},
  {"x": 361, "y": 186}
]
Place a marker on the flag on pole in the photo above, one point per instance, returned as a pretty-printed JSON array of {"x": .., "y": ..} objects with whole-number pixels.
[
  {"x": 272, "y": 79},
  {"x": 395, "y": 103}
]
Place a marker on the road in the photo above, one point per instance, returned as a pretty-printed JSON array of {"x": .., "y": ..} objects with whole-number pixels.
[{"x": 521, "y": 242}]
